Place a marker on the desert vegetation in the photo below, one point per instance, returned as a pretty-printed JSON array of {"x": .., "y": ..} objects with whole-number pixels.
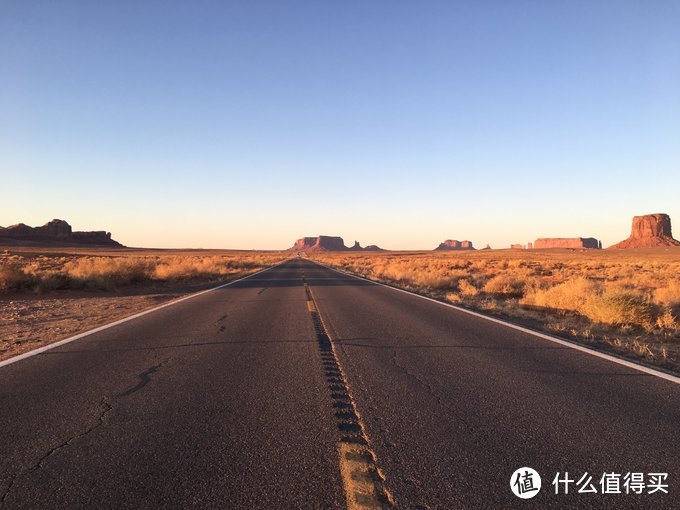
[
  {"x": 47, "y": 294},
  {"x": 626, "y": 302},
  {"x": 41, "y": 272}
]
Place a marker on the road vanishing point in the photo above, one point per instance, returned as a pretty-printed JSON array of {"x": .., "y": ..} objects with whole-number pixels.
[{"x": 302, "y": 387}]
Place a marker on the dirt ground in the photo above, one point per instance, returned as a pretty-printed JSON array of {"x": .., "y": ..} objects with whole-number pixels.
[
  {"x": 29, "y": 321},
  {"x": 34, "y": 315}
]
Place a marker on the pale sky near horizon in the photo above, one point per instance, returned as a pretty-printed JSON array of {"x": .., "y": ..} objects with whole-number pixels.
[{"x": 251, "y": 124}]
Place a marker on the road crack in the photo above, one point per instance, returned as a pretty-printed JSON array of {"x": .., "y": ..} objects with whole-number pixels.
[{"x": 107, "y": 408}]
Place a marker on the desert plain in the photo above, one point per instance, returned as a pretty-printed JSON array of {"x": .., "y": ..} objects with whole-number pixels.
[
  {"x": 624, "y": 302},
  {"x": 50, "y": 293}
]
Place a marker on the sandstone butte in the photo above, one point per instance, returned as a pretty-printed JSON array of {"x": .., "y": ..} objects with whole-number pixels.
[
  {"x": 567, "y": 242},
  {"x": 452, "y": 244},
  {"x": 328, "y": 243},
  {"x": 649, "y": 231},
  {"x": 55, "y": 232}
]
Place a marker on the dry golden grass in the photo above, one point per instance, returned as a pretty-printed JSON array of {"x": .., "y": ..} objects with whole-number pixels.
[
  {"x": 625, "y": 301},
  {"x": 44, "y": 270},
  {"x": 47, "y": 294}
]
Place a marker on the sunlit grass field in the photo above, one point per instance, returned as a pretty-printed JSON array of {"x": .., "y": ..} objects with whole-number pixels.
[
  {"x": 46, "y": 269},
  {"x": 624, "y": 301}
]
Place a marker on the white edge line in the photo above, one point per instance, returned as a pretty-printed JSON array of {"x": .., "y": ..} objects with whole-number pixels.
[
  {"x": 572, "y": 345},
  {"x": 70, "y": 339}
]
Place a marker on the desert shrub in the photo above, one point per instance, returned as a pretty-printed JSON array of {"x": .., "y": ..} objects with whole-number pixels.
[
  {"x": 620, "y": 309},
  {"x": 466, "y": 288},
  {"x": 177, "y": 268},
  {"x": 433, "y": 280},
  {"x": 668, "y": 295},
  {"x": 452, "y": 297},
  {"x": 428, "y": 274},
  {"x": 108, "y": 272},
  {"x": 51, "y": 280},
  {"x": 667, "y": 321},
  {"x": 505, "y": 284},
  {"x": 570, "y": 295},
  {"x": 13, "y": 278}
]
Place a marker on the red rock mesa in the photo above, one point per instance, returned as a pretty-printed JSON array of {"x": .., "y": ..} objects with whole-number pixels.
[
  {"x": 567, "y": 242},
  {"x": 649, "y": 231},
  {"x": 452, "y": 244},
  {"x": 55, "y": 232},
  {"x": 328, "y": 243}
]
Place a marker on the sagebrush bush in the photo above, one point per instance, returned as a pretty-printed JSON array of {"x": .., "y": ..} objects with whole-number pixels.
[
  {"x": 109, "y": 272},
  {"x": 620, "y": 309},
  {"x": 177, "y": 268},
  {"x": 505, "y": 284},
  {"x": 667, "y": 321},
  {"x": 13, "y": 278},
  {"x": 571, "y": 295},
  {"x": 668, "y": 295},
  {"x": 466, "y": 288}
]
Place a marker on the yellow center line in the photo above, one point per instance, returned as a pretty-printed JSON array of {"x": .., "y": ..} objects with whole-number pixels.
[{"x": 362, "y": 480}]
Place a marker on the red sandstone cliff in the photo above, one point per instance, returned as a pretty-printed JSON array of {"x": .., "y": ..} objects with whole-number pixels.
[
  {"x": 452, "y": 244},
  {"x": 55, "y": 232},
  {"x": 328, "y": 243},
  {"x": 567, "y": 242},
  {"x": 649, "y": 231}
]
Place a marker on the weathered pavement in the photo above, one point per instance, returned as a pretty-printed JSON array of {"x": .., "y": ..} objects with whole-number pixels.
[{"x": 228, "y": 400}]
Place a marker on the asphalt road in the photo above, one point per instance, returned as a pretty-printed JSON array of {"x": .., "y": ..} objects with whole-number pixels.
[{"x": 224, "y": 401}]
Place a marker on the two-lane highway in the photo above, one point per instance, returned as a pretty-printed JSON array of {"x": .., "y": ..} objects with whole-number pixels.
[
  {"x": 228, "y": 400},
  {"x": 219, "y": 401},
  {"x": 454, "y": 404}
]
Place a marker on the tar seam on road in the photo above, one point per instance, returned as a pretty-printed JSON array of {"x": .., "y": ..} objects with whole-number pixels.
[
  {"x": 144, "y": 379},
  {"x": 70, "y": 339},
  {"x": 572, "y": 345},
  {"x": 362, "y": 480}
]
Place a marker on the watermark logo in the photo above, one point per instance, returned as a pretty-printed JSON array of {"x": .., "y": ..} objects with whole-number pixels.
[
  {"x": 611, "y": 483},
  {"x": 525, "y": 483}
]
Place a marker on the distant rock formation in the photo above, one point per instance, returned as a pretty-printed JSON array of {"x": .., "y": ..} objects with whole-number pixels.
[
  {"x": 55, "y": 232},
  {"x": 328, "y": 243},
  {"x": 578, "y": 243},
  {"x": 649, "y": 231},
  {"x": 487, "y": 247},
  {"x": 517, "y": 247},
  {"x": 452, "y": 244}
]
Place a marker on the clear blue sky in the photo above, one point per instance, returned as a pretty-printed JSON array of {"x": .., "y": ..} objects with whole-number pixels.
[{"x": 249, "y": 124}]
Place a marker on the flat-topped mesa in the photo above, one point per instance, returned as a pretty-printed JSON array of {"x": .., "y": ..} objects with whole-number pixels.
[
  {"x": 574, "y": 243},
  {"x": 319, "y": 243},
  {"x": 55, "y": 232},
  {"x": 649, "y": 231},
  {"x": 327, "y": 243},
  {"x": 452, "y": 244}
]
